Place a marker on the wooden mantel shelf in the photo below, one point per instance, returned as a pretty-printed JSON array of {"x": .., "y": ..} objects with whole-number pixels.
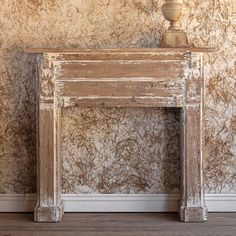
[
  {"x": 116, "y": 50},
  {"x": 133, "y": 77}
]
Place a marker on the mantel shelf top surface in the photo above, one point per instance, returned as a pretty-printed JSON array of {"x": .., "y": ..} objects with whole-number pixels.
[{"x": 116, "y": 50}]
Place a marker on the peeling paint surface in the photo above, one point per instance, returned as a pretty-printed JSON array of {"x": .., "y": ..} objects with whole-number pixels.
[{"x": 96, "y": 160}]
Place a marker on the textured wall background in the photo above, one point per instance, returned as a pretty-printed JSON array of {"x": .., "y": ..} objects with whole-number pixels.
[{"x": 141, "y": 155}]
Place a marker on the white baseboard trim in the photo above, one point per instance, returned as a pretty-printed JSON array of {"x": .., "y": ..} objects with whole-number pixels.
[
  {"x": 121, "y": 203},
  {"x": 117, "y": 202},
  {"x": 17, "y": 202}
]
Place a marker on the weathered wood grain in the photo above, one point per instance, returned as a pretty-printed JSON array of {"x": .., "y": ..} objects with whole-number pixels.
[
  {"x": 117, "y": 224},
  {"x": 49, "y": 205},
  {"x": 195, "y": 82},
  {"x": 99, "y": 101},
  {"x": 138, "y": 51},
  {"x": 121, "y": 88},
  {"x": 126, "y": 93},
  {"x": 119, "y": 55},
  {"x": 192, "y": 206},
  {"x": 91, "y": 69},
  {"x": 113, "y": 78}
]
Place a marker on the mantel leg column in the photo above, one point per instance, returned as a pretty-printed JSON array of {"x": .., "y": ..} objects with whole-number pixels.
[
  {"x": 49, "y": 206},
  {"x": 192, "y": 205}
]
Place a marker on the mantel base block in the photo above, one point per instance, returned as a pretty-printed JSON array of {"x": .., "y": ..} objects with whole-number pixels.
[
  {"x": 49, "y": 214},
  {"x": 174, "y": 39},
  {"x": 193, "y": 214}
]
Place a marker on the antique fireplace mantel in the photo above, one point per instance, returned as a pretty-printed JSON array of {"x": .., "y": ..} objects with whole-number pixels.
[{"x": 160, "y": 77}]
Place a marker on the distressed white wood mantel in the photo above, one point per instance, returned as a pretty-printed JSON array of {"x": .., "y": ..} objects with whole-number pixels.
[{"x": 160, "y": 77}]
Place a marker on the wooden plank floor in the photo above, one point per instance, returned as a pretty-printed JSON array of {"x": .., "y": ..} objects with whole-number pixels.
[{"x": 118, "y": 224}]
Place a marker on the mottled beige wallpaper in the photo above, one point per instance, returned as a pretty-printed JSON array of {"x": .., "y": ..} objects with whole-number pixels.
[{"x": 122, "y": 150}]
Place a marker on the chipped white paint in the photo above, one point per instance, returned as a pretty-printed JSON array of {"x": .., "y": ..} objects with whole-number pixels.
[
  {"x": 175, "y": 101},
  {"x": 46, "y": 106},
  {"x": 180, "y": 91}
]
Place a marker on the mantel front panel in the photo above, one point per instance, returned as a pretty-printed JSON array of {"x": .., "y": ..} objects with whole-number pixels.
[
  {"x": 135, "y": 92},
  {"x": 128, "y": 80}
]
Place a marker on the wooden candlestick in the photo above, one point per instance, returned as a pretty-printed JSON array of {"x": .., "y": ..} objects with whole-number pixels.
[{"x": 173, "y": 11}]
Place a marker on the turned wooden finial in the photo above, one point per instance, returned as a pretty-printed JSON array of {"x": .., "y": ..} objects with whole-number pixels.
[{"x": 173, "y": 11}]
